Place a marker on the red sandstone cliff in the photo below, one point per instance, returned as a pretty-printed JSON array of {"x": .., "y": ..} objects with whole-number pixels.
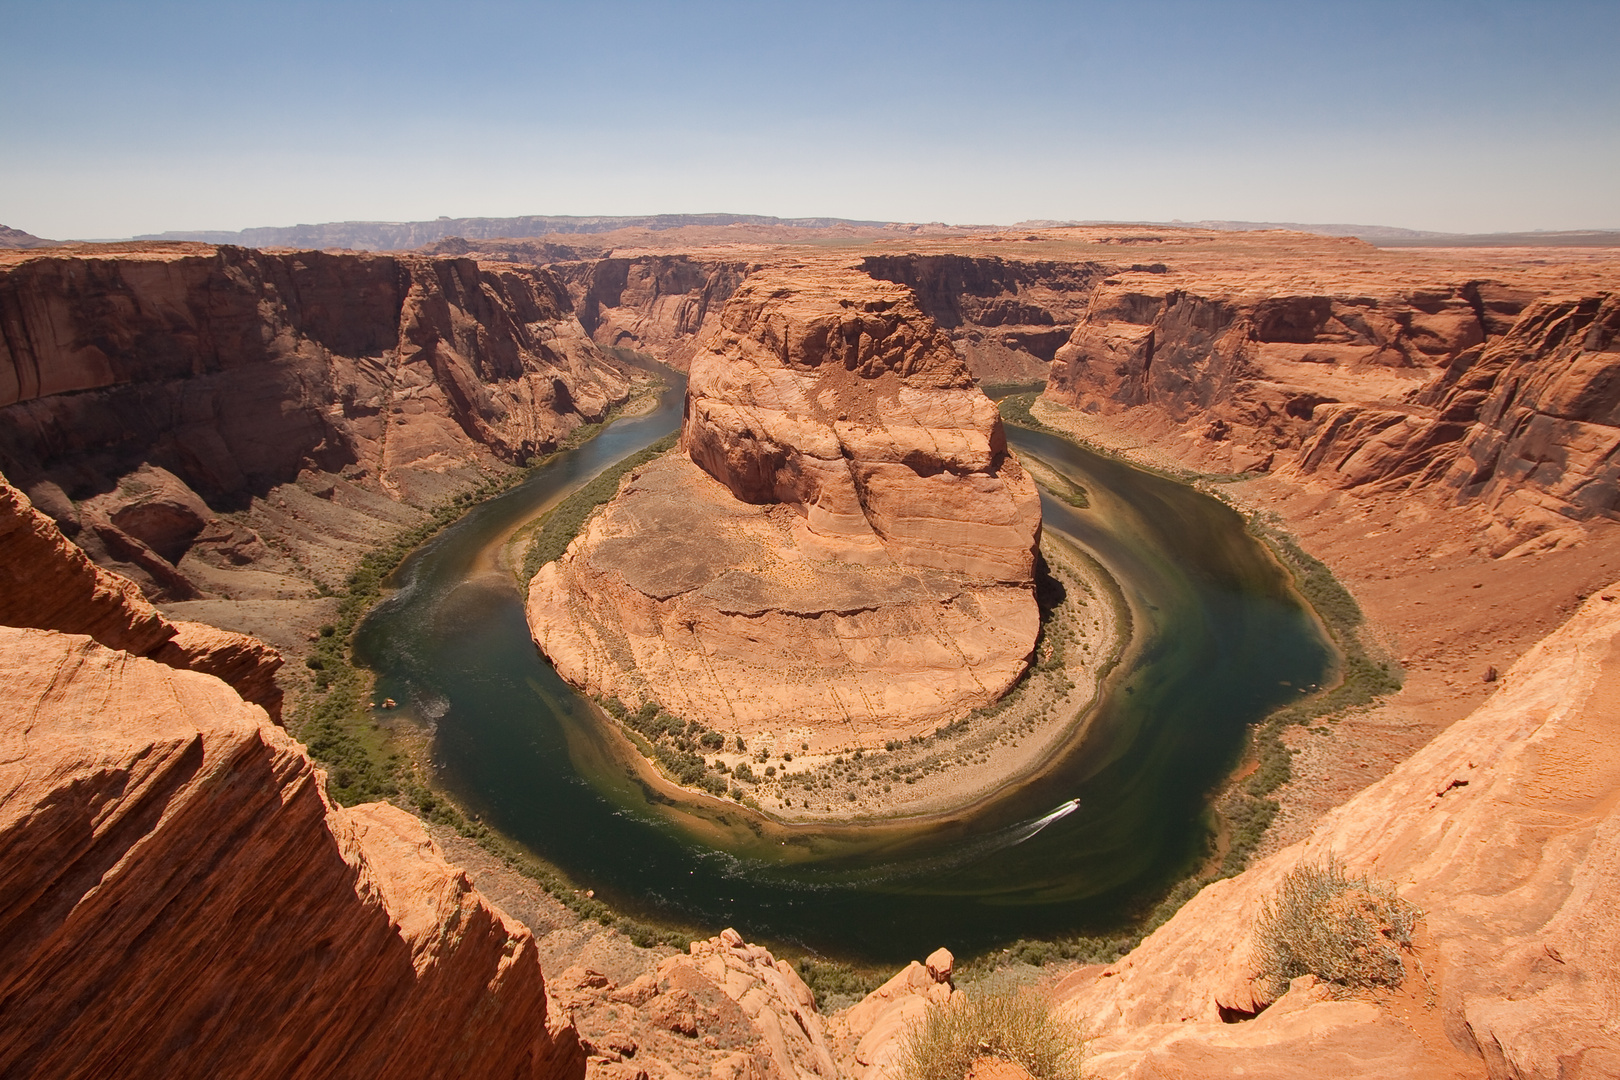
[
  {"x": 148, "y": 392},
  {"x": 49, "y": 583},
  {"x": 658, "y": 304},
  {"x": 1504, "y": 830},
  {"x": 1005, "y": 316},
  {"x": 179, "y": 898},
  {"x": 1527, "y": 425},
  {"x": 868, "y": 562}
]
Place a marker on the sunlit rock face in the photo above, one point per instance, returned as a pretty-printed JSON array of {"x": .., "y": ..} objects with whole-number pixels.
[{"x": 841, "y": 549}]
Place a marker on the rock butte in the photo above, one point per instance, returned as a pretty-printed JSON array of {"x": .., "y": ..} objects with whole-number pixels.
[
  {"x": 1438, "y": 426},
  {"x": 866, "y": 568}
]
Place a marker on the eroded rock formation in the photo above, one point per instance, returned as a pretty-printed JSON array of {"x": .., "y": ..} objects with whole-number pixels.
[
  {"x": 842, "y": 548},
  {"x": 1249, "y": 354},
  {"x": 149, "y": 392},
  {"x": 1472, "y": 390},
  {"x": 1527, "y": 425},
  {"x": 1007, "y": 317},
  {"x": 657, "y": 304},
  {"x": 178, "y": 897},
  {"x": 1504, "y": 831},
  {"x": 47, "y": 582}
]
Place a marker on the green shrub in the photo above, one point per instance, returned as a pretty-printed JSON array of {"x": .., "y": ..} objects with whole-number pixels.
[
  {"x": 563, "y": 522},
  {"x": 1013, "y": 1025},
  {"x": 1347, "y": 931}
]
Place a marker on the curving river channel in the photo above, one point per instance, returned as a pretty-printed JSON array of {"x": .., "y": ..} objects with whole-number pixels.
[{"x": 1219, "y": 638}]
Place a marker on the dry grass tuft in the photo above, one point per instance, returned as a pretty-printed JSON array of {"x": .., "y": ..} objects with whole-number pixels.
[
  {"x": 1013, "y": 1025},
  {"x": 1347, "y": 931}
]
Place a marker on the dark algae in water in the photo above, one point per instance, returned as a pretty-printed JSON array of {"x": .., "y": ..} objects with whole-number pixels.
[{"x": 1087, "y": 845}]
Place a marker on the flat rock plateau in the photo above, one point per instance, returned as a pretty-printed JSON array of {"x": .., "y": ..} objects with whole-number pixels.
[{"x": 197, "y": 434}]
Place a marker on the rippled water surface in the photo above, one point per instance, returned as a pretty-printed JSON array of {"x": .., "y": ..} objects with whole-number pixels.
[{"x": 1220, "y": 639}]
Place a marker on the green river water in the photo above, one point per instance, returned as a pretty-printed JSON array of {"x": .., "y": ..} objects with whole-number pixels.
[{"x": 1219, "y": 639}]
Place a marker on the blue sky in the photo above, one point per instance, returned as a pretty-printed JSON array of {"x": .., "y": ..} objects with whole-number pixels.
[{"x": 119, "y": 118}]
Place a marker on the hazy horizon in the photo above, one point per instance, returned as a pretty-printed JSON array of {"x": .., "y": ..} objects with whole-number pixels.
[{"x": 123, "y": 119}]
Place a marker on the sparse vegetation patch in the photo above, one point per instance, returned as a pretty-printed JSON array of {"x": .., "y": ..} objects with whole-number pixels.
[
  {"x": 563, "y": 522},
  {"x": 1013, "y": 1025},
  {"x": 1347, "y": 931}
]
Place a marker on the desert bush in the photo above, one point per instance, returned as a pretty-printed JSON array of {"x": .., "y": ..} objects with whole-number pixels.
[
  {"x": 1011, "y": 1024},
  {"x": 1347, "y": 931}
]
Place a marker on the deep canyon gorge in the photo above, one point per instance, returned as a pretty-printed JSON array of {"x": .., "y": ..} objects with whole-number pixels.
[{"x": 203, "y": 446}]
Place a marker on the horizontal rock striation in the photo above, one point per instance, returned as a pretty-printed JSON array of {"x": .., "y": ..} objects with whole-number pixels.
[
  {"x": 866, "y": 564},
  {"x": 656, "y": 304},
  {"x": 147, "y": 391},
  {"x": 1495, "y": 394},
  {"x": 1504, "y": 831},
  {"x": 47, "y": 582},
  {"x": 837, "y": 397},
  {"x": 1528, "y": 425},
  {"x": 178, "y": 897},
  {"x": 1248, "y": 354},
  {"x": 1007, "y": 317}
]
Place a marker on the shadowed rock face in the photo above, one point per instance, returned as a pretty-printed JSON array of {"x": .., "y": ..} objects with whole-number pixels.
[
  {"x": 147, "y": 392},
  {"x": 842, "y": 547},
  {"x": 238, "y": 365},
  {"x": 1190, "y": 346},
  {"x": 658, "y": 304},
  {"x": 179, "y": 898},
  {"x": 48, "y": 583},
  {"x": 1527, "y": 425},
  {"x": 1006, "y": 317}
]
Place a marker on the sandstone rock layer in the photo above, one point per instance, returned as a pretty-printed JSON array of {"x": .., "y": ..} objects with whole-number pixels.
[
  {"x": 1505, "y": 831},
  {"x": 842, "y": 548},
  {"x": 151, "y": 393},
  {"x": 47, "y": 582},
  {"x": 179, "y": 898}
]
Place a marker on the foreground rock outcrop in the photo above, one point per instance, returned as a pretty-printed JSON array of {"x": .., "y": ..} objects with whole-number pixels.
[
  {"x": 868, "y": 563},
  {"x": 178, "y": 897},
  {"x": 47, "y": 582},
  {"x": 1504, "y": 831}
]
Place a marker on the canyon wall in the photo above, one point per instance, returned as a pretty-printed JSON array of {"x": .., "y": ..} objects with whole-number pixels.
[
  {"x": 656, "y": 304},
  {"x": 1499, "y": 394},
  {"x": 1253, "y": 357},
  {"x": 49, "y": 583},
  {"x": 1007, "y": 317},
  {"x": 868, "y": 563},
  {"x": 1528, "y": 425},
  {"x": 150, "y": 394},
  {"x": 178, "y": 897}
]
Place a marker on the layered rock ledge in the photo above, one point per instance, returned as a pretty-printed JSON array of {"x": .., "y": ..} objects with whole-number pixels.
[
  {"x": 841, "y": 550},
  {"x": 179, "y": 897},
  {"x": 1504, "y": 831}
]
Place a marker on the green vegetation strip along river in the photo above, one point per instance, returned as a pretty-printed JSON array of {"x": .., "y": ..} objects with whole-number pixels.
[{"x": 1221, "y": 640}]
